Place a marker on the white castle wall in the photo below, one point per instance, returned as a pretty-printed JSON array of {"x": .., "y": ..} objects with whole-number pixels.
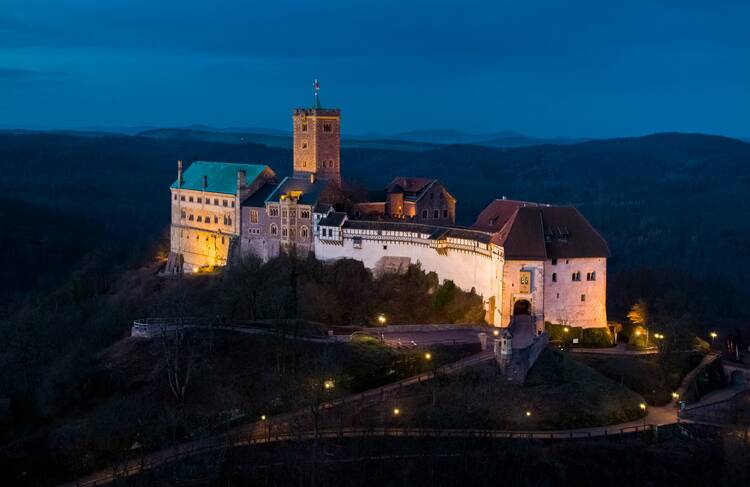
[
  {"x": 562, "y": 300},
  {"x": 467, "y": 269}
]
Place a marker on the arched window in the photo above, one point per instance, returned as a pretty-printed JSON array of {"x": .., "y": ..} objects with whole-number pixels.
[
  {"x": 274, "y": 229},
  {"x": 303, "y": 233},
  {"x": 554, "y": 277}
]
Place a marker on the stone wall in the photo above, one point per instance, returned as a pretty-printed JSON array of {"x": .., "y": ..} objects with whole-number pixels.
[
  {"x": 563, "y": 301},
  {"x": 480, "y": 269}
]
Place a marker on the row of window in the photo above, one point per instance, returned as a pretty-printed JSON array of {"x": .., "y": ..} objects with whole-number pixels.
[
  {"x": 205, "y": 219},
  {"x": 576, "y": 276},
  {"x": 435, "y": 214},
  {"x": 327, "y": 127},
  {"x": 583, "y": 297},
  {"x": 186, "y": 235},
  {"x": 273, "y": 211},
  {"x": 200, "y": 199},
  {"x": 304, "y": 233},
  {"x": 328, "y": 163}
]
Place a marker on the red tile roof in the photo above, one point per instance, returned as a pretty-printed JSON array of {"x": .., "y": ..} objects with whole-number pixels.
[{"x": 529, "y": 231}]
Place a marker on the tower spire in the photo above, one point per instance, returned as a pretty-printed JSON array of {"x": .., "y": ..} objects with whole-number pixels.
[{"x": 316, "y": 86}]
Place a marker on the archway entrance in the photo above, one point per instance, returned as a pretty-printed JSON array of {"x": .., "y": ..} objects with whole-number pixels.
[{"x": 521, "y": 307}]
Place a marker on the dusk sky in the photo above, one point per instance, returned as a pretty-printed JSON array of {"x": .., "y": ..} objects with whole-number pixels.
[{"x": 544, "y": 68}]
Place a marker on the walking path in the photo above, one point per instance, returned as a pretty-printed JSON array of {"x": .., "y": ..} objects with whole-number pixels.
[
  {"x": 259, "y": 432},
  {"x": 619, "y": 349}
]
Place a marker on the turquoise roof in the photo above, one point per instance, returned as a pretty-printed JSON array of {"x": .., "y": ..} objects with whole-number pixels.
[{"x": 221, "y": 176}]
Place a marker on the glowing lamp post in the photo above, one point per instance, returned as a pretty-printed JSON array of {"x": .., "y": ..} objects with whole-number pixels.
[
  {"x": 713, "y": 336},
  {"x": 396, "y": 412},
  {"x": 381, "y": 319},
  {"x": 328, "y": 384},
  {"x": 428, "y": 356}
]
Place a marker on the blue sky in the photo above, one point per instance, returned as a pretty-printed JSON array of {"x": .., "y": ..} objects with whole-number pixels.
[{"x": 546, "y": 68}]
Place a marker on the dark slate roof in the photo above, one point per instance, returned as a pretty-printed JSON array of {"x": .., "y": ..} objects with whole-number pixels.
[
  {"x": 258, "y": 199},
  {"x": 333, "y": 219},
  {"x": 434, "y": 232},
  {"x": 221, "y": 176},
  {"x": 322, "y": 207},
  {"x": 311, "y": 191},
  {"x": 529, "y": 231}
]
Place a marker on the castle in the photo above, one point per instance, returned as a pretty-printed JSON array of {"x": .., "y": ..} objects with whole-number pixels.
[{"x": 541, "y": 261}]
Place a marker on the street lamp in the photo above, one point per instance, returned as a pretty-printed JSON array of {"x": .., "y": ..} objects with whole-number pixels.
[
  {"x": 566, "y": 329},
  {"x": 496, "y": 332},
  {"x": 528, "y": 414},
  {"x": 262, "y": 417},
  {"x": 713, "y": 336},
  {"x": 396, "y": 411},
  {"x": 428, "y": 356},
  {"x": 675, "y": 395},
  {"x": 328, "y": 384},
  {"x": 381, "y": 319}
]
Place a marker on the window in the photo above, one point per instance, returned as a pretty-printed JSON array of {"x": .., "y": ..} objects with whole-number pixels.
[
  {"x": 273, "y": 211},
  {"x": 432, "y": 196},
  {"x": 190, "y": 217},
  {"x": 284, "y": 232},
  {"x": 304, "y": 144},
  {"x": 424, "y": 214},
  {"x": 232, "y": 204},
  {"x": 577, "y": 276},
  {"x": 554, "y": 277},
  {"x": 385, "y": 247},
  {"x": 226, "y": 203},
  {"x": 200, "y": 200},
  {"x": 200, "y": 218},
  {"x": 292, "y": 213},
  {"x": 591, "y": 276},
  {"x": 357, "y": 242},
  {"x": 183, "y": 214},
  {"x": 222, "y": 240},
  {"x": 554, "y": 261},
  {"x": 525, "y": 282},
  {"x": 174, "y": 197},
  {"x": 190, "y": 199},
  {"x": 583, "y": 297},
  {"x": 445, "y": 213},
  {"x": 182, "y": 197},
  {"x": 304, "y": 214},
  {"x": 292, "y": 233},
  {"x": 229, "y": 220},
  {"x": 274, "y": 229},
  {"x": 283, "y": 213},
  {"x": 303, "y": 233},
  {"x": 304, "y": 126},
  {"x": 216, "y": 201},
  {"x": 435, "y": 213},
  {"x": 326, "y": 127},
  {"x": 216, "y": 219},
  {"x": 558, "y": 295},
  {"x": 253, "y": 216}
]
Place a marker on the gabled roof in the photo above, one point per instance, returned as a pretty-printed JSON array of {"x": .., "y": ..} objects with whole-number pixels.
[
  {"x": 333, "y": 219},
  {"x": 311, "y": 192},
  {"x": 258, "y": 199},
  {"x": 408, "y": 185},
  {"x": 529, "y": 231},
  {"x": 221, "y": 177}
]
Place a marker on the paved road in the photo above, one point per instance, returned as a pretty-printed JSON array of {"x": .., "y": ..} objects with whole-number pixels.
[{"x": 426, "y": 338}]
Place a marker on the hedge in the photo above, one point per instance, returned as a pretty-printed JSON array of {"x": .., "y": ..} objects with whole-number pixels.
[{"x": 588, "y": 337}]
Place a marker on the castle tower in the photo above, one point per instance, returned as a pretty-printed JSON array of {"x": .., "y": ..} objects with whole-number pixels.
[{"x": 316, "y": 141}]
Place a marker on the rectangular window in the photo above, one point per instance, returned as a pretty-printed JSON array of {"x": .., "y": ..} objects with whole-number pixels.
[
  {"x": 424, "y": 214},
  {"x": 232, "y": 203},
  {"x": 200, "y": 200},
  {"x": 174, "y": 197},
  {"x": 385, "y": 247},
  {"x": 182, "y": 197},
  {"x": 583, "y": 297},
  {"x": 273, "y": 211},
  {"x": 292, "y": 213},
  {"x": 326, "y": 127},
  {"x": 357, "y": 242},
  {"x": 216, "y": 201},
  {"x": 304, "y": 126},
  {"x": 435, "y": 213},
  {"x": 304, "y": 214},
  {"x": 190, "y": 199},
  {"x": 253, "y": 216},
  {"x": 554, "y": 261},
  {"x": 445, "y": 213},
  {"x": 554, "y": 277},
  {"x": 226, "y": 203}
]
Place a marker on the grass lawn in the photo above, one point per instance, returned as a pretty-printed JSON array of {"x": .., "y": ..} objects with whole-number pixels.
[
  {"x": 642, "y": 373},
  {"x": 559, "y": 393}
]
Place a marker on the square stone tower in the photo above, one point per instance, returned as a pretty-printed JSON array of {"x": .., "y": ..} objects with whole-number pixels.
[{"x": 316, "y": 141}]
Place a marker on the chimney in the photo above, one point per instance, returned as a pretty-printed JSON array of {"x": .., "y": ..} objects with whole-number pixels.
[
  {"x": 312, "y": 177},
  {"x": 205, "y": 182},
  {"x": 241, "y": 180},
  {"x": 179, "y": 173}
]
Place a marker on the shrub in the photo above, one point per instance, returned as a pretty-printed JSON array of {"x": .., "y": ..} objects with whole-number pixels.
[
  {"x": 557, "y": 332},
  {"x": 597, "y": 337}
]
